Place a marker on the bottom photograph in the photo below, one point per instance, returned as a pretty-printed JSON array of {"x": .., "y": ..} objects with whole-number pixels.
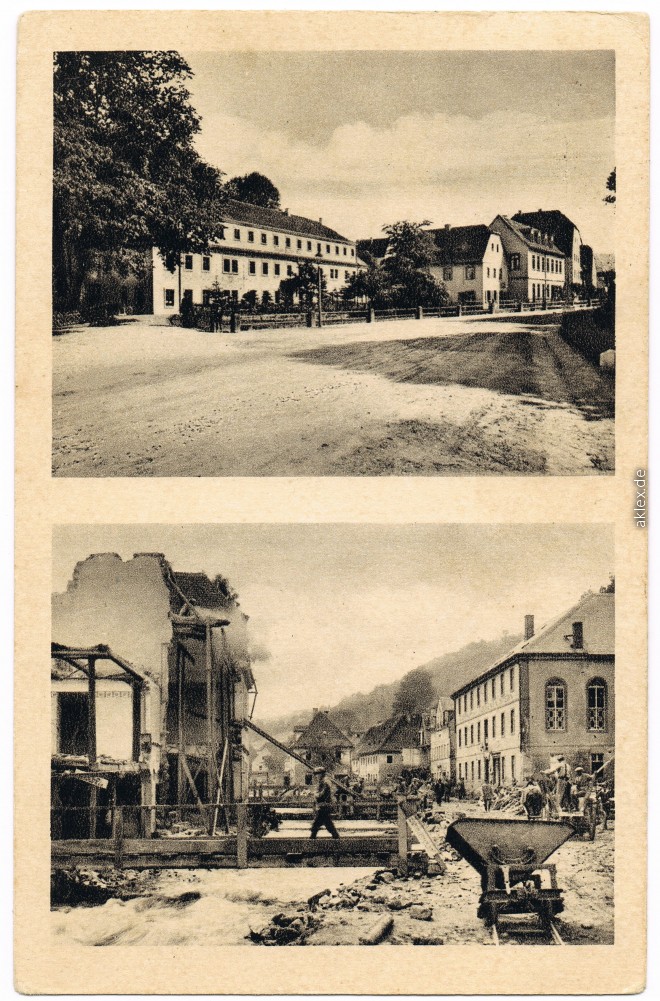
[{"x": 336, "y": 734}]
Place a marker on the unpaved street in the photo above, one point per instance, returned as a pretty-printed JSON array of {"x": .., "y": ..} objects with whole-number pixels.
[{"x": 427, "y": 397}]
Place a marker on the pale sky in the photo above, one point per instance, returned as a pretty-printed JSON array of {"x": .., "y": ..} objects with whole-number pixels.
[
  {"x": 362, "y": 139},
  {"x": 342, "y": 608}
]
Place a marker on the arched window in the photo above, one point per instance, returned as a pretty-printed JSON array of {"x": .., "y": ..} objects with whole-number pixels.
[
  {"x": 555, "y": 704},
  {"x": 597, "y": 704}
]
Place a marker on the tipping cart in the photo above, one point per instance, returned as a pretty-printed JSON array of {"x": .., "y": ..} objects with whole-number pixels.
[{"x": 517, "y": 882}]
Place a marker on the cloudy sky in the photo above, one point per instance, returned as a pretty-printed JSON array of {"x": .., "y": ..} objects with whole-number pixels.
[
  {"x": 341, "y": 608},
  {"x": 365, "y": 138}
]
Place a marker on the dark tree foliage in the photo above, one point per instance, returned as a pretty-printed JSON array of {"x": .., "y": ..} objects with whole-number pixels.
[
  {"x": 415, "y": 693},
  {"x": 409, "y": 254},
  {"x": 370, "y": 283},
  {"x": 303, "y": 286},
  {"x": 255, "y": 188},
  {"x": 125, "y": 172},
  {"x": 610, "y": 184}
]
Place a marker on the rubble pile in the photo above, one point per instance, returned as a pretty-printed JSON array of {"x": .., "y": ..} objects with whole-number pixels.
[
  {"x": 292, "y": 928},
  {"x": 81, "y": 885}
]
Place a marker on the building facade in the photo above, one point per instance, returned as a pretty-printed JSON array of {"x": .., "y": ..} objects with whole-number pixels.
[
  {"x": 470, "y": 264},
  {"x": 535, "y": 265},
  {"x": 390, "y": 748},
  {"x": 257, "y": 249},
  {"x": 552, "y": 694},
  {"x": 565, "y": 235},
  {"x": 322, "y": 744},
  {"x": 186, "y": 638}
]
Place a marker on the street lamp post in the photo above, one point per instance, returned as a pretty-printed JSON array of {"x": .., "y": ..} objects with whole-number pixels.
[{"x": 319, "y": 277}]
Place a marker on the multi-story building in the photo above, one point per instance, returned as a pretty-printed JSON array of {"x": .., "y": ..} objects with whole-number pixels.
[
  {"x": 322, "y": 744},
  {"x": 389, "y": 748},
  {"x": 535, "y": 264},
  {"x": 470, "y": 263},
  {"x": 257, "y": 249},
  {"x": 565, "y": 235},
  {"x": 181, "y": 639},
  {"x": 443, "y": 747},
  {"x": 588, "y": 268},
  {"x": 554, "y": 693}
]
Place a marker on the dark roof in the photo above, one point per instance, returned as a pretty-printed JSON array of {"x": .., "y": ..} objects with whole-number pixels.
[
  {"x": 201, "y": 590},
  {"x": 322, "y": 732},
  {"x": 599, "y": 642},
  {"x": 553, "y": 222},
  {"x": 392, "y": 735},
  {"x": 255, "y": 215},
  {"x": 376, "y": 247},
  {"x": 526, "y": 234},
  {"x": 461, "y": 244}
]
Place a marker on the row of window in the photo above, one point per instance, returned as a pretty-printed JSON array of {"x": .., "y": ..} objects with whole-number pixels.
[
  {"x": 556, "y": 695},
  {"x": 288, "y": 241},
  {"x": 476, "y": 695},
  {"x": 551, "y": 264},
  {"x": 466, "y": 770},
  {"x": 466, "y": 735}
]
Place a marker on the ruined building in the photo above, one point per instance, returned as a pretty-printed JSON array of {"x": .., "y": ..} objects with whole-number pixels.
[{"x": 150, "y": 674}]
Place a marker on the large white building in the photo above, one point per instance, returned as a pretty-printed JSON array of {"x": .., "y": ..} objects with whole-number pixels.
[{"x": 257, "y": 250}]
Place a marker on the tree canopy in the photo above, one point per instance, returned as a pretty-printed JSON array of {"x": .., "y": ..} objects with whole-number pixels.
[
  {"x": 255, "y": 188},
  {"x": 125, "y": 170},
  {"x": 415, "y": 693},
  {"x": 410, "y": 253}
]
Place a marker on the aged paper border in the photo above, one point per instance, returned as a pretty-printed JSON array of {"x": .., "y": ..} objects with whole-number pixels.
[{"x": 44, "y": 965}]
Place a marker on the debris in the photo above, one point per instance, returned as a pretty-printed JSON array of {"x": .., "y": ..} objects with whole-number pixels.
[
  {"x": 427, "y": 940},
  {"x": 378, "y": 931},
  {"x": 421, "y": 913},
  {"x": 316, "y": 897}
]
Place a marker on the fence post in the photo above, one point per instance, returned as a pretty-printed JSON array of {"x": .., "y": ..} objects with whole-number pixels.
[
  {"x": 403, "y": 840},
  {"x": 118, "y": 834},
  {"x": 241, "y": 836},
  {"x": 309, "y": 318},
  {"x": 233, "y": 326},
  {"x": 459, "y": 310},
  {"x": 419, "y": 313},
  {"x": 371, "y": 315}
]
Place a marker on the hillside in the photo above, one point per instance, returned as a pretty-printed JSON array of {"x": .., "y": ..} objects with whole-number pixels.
[{"x": 358, "y": 712}]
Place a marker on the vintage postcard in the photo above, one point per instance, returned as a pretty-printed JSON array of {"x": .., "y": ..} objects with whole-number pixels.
[{"x": 331, "y": 503}]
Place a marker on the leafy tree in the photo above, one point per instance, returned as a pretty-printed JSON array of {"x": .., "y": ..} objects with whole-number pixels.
[
  {"x": 406, "y": 265},
  {"x": 125, "y": 171},
  {"x": 254, "y": 188},
  {"x": 303, "y": 286},
  {"x": 610, "y": 185},
  {"x": 415, "y": 693},
  {"x": 371, "y": 283}
]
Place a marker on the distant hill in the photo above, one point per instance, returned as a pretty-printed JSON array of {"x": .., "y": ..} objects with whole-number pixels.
[{"x": 356, "y": 713}]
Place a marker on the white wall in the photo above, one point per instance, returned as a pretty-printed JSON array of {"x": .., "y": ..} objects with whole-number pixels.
[{"x": 114, "y": 716}]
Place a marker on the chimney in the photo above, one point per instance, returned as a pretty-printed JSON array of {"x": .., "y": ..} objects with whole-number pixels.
[
  {"x": 447, "y": 225},
  {"x": 578, "y": 636},
  {"x": 314, "y": 712},
  {"x": 529, "y": 627},
  {"x": 321, "y": 221}
]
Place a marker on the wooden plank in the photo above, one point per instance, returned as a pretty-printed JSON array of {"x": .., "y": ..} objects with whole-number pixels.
[
  {"x": 321, "y": 846},
  {"x": 423, "y": 837},
  {"x": 402, "y": 840},
  {"x": 241, "y": 836}
]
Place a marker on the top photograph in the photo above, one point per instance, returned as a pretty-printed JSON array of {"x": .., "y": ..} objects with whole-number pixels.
[{"x": 333, "y": 263}]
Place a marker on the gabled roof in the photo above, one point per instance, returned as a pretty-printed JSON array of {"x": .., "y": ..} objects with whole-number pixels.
[
  {"x": 322, "y": 732},
  {"x": 376, "y": 247},
  {"x": 461, "y": 244},
  {"x": 256, "y": 215},
  {"x": 392, "y": 736},
  {"x": 595, "y": 611},
  {"x": 553, "y": 222},
  {"x": 526, "y": 234}
]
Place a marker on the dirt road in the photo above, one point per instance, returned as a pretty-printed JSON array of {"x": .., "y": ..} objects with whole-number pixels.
[{"x": 428, "y": 397}]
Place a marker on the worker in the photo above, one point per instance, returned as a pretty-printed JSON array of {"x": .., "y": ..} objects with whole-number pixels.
[
  {"x": 323, "y": 815},
  {"x": 562, "y": 772},
  {"x": 581, "y": 788},
  {"x": 439, "y": 790},
  {"x": 532, "y": 799},
  {"x": 488, "y": 794}
]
